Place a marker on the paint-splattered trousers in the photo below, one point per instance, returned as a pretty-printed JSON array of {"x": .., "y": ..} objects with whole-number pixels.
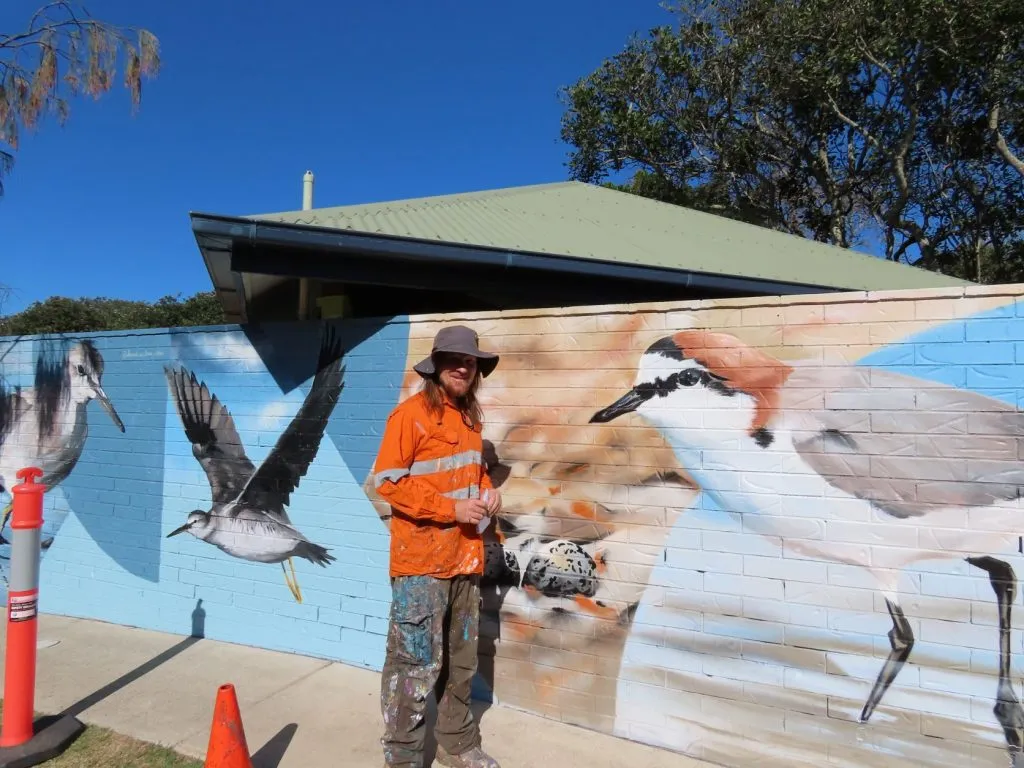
[{"x": 432, "y": 644}]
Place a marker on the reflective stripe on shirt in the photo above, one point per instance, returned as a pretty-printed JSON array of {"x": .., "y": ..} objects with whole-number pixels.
[
  {"x": 469, "y": 492},
  {"x": 429, "y": 467}
]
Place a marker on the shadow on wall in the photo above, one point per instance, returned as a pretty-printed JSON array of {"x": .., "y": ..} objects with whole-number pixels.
[
  {"x": 289, "y": 353},
  {"x": 376, "y": 351},
  {"x": 237, "y": 397},
  {"x": 47, "y": 420}
]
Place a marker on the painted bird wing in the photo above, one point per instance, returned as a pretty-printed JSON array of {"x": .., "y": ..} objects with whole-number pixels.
[
  {"x": 13, "y": 407},
  {"x": 211, "y": 430},
  {"x": 907, "y": 445},
  {"x": 271, "y": 486}
]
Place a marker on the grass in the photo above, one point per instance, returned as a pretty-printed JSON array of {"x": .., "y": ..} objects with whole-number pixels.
[{"x": 102, "y": 748}]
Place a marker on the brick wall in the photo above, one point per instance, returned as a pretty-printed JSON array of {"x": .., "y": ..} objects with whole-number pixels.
[{"x": 739, "y": 605}]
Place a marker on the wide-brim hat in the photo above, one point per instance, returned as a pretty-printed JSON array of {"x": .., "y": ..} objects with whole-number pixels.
[{"x": 460, "y": 340}]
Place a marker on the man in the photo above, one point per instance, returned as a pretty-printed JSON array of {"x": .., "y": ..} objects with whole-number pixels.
[{"x": 430, "y": 470}]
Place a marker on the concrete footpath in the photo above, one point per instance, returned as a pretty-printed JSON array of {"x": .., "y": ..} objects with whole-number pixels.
[{"x": 298, "y": 712}]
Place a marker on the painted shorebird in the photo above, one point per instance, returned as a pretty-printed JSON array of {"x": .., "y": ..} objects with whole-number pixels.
[
  {"x": 247, "y": 518},
  {"x": 47, "y": 425},
  {"x": 927, "y": 471}
]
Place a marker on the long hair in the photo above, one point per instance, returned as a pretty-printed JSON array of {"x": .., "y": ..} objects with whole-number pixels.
[{"x": 468, "y": 405}]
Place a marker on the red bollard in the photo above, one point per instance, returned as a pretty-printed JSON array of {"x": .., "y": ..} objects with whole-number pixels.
[
  {"x": 22, "y": 610},
  {"x": 23, "y": 742}
]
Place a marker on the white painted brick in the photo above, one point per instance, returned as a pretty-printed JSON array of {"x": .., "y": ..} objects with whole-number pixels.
[
  {"x": 956, "y": 633},
  {"x": 771, "y": 589},
  {"x": 955, "y": 586},
  {"x": 703, "y": 560},
  {"x": 942, "y": 656},
  {"x": 772, "y": 485},
  {"x": 851, "y": 576},
  {"x": 744, "y": 628},
  {"x": 760, "y": 609},
  {"x": 865, "y": 668},
  {"x": 784, "y": 655},
  {"x": 877, "y": 623},
  {"x": 740, "y": 543},
  {"x": 679, "y": 578},
  {"x": 784, "y": 568},
  {"x": 824, "y": 508},
  {"x": 950, "y": 705},
  {"x": 945, "y": 608},
  {"x": 872, "y": 533},
  {"x": 769, "y": 719},
  {"x": 702, "y": 521},
  {"x": 807, "y": 615},
  {"x": 829, "y": 596},
  {"x": 748, "y": 671},
  {"x": 956, "y": 682},
  {"x": 798, "y": 549},
  {"x": 708, "y": 602}
]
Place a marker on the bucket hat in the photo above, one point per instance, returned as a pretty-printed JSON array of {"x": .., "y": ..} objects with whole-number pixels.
[{"x": 460, "y": 340}]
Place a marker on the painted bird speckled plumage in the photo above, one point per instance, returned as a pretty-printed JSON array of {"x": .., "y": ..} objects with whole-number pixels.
[{"x": 557, "y": 568}]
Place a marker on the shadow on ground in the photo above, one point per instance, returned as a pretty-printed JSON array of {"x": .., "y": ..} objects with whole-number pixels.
[
  {"x": 128, "y": 678},
  {"x": 272, "y": 753},
  {"x": 478, "y": 708}
]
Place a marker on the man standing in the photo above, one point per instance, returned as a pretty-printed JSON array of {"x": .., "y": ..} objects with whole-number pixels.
[{"x": 430, "y": 470}]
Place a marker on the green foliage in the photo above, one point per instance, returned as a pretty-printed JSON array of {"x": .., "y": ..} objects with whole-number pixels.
[
  {"x": 62, "y": 315},
  {"x": 64, "y": 52},
  {"x": 986, "y": 265},
  {"x": 898, "y": 121}
]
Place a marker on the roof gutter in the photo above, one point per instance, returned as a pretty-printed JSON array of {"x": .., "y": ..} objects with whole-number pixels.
[{"x": 305, "y": 237}]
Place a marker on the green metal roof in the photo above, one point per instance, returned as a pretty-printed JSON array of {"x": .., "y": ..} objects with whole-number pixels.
[{"x": 586, "y": 221}]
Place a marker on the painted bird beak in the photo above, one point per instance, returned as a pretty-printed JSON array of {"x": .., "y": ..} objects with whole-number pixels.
[
  {"x": 176, "y": 531},
  {"x": 109, "y": 408},
  {"x": 628, "y": 403}
]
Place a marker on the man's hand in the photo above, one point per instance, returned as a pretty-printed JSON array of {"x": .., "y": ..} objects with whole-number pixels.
[
  {"x": 494, "y": 502},
  {"x": 470, "y": 511}
]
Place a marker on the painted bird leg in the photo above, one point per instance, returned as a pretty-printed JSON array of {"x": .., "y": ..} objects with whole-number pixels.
[
  {"x": 901, "y": 641},
  {"x": 7, "y": 516},
  {"x": 292, "y": 582},
  {"x": 44, "y": 544},
  {"x": 1007, "y": 709}
]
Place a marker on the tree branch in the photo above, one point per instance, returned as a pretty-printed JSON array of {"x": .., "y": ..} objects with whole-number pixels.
[
  {"x": 84, "y": 48},
  {"x": 1001, "y": 146},
  {"x": 851, "y": 122}
]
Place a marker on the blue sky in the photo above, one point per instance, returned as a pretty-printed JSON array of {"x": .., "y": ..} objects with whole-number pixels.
[{"x": 382, "y": 100}]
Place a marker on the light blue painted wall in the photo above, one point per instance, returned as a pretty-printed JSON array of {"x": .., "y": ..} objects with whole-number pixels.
[{"x": 110, "y": 559}]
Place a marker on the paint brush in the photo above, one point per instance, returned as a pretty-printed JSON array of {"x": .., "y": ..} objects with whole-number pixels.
[{"x": 481, "y": 526}]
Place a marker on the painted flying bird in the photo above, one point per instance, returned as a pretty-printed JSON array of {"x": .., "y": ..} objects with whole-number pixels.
[
  {"x": 928, "y": 471},
  {"x": 247, "y": 518},
  {"x": 47, "y": 425}
]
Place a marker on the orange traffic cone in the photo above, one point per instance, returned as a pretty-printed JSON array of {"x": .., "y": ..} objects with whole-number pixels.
[{"x": 227, "y": 748}]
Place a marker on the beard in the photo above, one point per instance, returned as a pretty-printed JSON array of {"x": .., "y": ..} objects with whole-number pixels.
[{"x": 456, "y": 388}]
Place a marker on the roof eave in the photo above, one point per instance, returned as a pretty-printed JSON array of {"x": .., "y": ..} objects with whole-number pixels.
[{"x": 217, "y": 234}]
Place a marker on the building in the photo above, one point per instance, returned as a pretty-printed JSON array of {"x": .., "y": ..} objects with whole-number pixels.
[{"x": 547, "y": 245}]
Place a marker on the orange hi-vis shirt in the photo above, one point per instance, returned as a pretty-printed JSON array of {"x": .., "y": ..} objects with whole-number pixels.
[{"x": 425, "y": 464}]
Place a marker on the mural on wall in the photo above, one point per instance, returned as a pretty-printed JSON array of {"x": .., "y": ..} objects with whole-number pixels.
[
  {"x": 866, "y": 442},
  {"x": 247, "y": 518},
  {"x": 46, "y": 425},
  {"x": 570, "y": 558},
  {"x": 796, "y": 515},
  {"x": 626, "y": 588}
]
